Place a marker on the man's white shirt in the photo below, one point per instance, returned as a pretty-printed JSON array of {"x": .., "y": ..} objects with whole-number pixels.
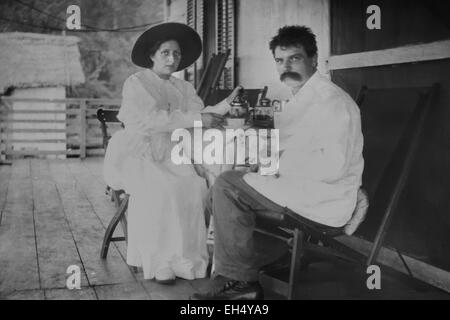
[{"x": 321, "y": 161}]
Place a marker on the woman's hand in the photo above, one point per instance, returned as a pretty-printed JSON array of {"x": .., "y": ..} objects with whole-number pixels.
[
  {"x": 233, "y": 94},
  {"x": 212, "y": 120}
]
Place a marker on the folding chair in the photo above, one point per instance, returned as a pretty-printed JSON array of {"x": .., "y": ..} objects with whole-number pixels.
[
  {"x": 384, "y": 193},
  {"x": 211, "y": 75}
]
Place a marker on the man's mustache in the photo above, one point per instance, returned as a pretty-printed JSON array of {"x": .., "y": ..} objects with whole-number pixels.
[{"x": 291, "y": 75}]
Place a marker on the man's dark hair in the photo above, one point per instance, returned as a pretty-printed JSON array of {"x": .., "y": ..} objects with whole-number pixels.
[{"x": 295, "y": 36}]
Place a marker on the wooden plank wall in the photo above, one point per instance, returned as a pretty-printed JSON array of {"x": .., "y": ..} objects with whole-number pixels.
[
  {"x": 403, "y": 22},
  {"x": 421, "y": 227}
]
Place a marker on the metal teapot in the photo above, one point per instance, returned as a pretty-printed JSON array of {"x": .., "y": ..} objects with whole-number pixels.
[{"x": 239, "y": 106}]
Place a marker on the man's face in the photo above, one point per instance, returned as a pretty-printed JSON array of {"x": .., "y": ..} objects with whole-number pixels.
[{"x": 294, "y": 66}]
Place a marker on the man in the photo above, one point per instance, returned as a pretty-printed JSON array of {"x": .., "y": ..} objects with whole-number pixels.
[{"x": 319, "y": 174}]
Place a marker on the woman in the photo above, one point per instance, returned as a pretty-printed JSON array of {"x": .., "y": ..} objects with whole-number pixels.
[{"x": 166, "y": 226}]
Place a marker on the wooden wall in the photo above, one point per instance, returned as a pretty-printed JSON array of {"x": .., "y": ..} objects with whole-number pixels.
[
  {"x": 421, "y": 227},
  {"x": 403, "y": 22}
]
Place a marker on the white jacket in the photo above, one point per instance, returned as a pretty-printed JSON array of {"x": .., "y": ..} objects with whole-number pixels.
[{"x": 321, "y": 163}]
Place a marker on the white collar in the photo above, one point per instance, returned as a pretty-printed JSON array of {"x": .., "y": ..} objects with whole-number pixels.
[
  {"x": 309, "y": 84},
  {"x": 155, "y": 77}
]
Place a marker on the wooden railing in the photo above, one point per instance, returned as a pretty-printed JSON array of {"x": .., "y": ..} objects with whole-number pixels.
[{"x": 51, "y": 126}]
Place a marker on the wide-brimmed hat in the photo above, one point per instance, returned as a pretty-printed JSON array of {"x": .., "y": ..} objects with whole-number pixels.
[{"x": 188, "y": 40}]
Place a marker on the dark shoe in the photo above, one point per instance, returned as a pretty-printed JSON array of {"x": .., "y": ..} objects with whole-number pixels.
[
  {"x": 233, "y": 290},
  {"x": 165, "y": 281}
]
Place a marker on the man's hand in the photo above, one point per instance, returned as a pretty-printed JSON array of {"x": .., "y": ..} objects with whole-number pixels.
[
  {"x": 233, "y": 94},
  {"x": 212, "y": 120}
]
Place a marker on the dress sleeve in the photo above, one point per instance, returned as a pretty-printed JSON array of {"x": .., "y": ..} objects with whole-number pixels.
[
  {"x": 139, "y": 111},
  {"x": 222, "y": 108}
]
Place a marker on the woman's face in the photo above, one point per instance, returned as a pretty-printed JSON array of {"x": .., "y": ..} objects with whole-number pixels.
[{"x": 166, "y": 59}]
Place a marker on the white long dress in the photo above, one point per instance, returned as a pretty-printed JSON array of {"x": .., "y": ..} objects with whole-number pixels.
[{"x": 166, "y": 225}]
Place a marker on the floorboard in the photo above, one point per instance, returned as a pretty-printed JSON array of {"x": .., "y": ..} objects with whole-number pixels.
[
  {"x": 55, "y": 242},
  {"x": 18, "y": 258}
]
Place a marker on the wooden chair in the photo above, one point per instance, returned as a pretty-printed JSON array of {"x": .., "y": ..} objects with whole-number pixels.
[
  {"x": 121, "y": 203},
  {"x": 106, "y": 116},
  {"x": 119, "y": 197},
  {"x": 384, "y": 180}
]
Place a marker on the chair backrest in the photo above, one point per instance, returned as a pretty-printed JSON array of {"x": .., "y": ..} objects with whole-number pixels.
[
  {"x": 392, "y": 123},
  {"x": 211, "y": 75},
  {"x": 107, "y": 116}
]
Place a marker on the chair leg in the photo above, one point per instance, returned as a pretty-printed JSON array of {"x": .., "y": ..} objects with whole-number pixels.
[
  {"x": 296, "y": 260},
  {"x": 112, "y": 226},
  {"x": 123, "y": 223}
]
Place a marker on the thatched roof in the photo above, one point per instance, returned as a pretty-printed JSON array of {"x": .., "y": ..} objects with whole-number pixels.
[{"x": 39, "y": 60}]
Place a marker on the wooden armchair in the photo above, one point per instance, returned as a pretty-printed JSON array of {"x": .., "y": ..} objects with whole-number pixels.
[{"x": 384, "y": 180}]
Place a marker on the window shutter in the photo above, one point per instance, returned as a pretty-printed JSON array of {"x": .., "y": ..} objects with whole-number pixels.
[
  {"x": 190, "y": 16},
  {"x": 225, "y": 31},
  {"x": 195, "y": 19}
]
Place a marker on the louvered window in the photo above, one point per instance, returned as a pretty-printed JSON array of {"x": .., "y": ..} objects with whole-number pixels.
[
  {"x": 195, "y": 19},
  {"x": 224, "y": 30}
]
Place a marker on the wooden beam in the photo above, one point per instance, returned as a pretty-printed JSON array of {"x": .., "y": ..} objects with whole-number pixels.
[
  {"x": 34, "y": 121},
  {"x": 37, "y": 141},
  {"x": 68, "y": 100},
  {"x": 407, "y": 54},
  {"x": 31, "y": 111},
  {"x": 388, "y": 257},
  {"x": 35, "y": 152},
  {"x": 37, "y": 130}
]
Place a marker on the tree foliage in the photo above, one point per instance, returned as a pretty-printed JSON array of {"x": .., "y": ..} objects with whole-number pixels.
[{"x": 105, "y": 56}]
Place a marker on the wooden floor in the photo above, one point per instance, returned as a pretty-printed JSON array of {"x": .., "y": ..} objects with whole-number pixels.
[{"x": 53, "y": 214}]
